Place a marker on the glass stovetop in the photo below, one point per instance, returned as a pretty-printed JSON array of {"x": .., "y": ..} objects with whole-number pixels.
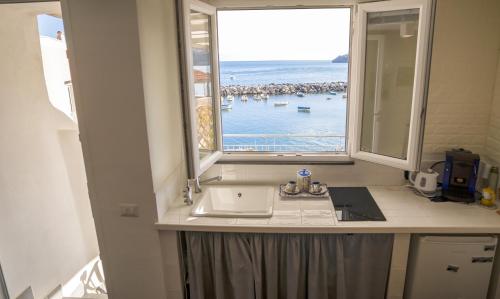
[{"x": 355, "y": 204}]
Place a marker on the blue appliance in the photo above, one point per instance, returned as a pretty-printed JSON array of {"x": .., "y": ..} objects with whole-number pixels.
[{"x": 460, "y": 175}]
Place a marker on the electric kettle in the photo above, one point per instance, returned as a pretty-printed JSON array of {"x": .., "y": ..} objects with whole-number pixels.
[{"x": 425, "y": 181}]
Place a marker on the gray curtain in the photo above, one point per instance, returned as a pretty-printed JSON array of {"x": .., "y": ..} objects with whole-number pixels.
[
  {"x": 3, "y": 287},
  {"x": 291, "y": 266}
]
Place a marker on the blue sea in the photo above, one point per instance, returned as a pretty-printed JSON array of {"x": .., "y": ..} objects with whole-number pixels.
[
  {"x": 262, "y": 126},
  {"x": 295, "y": 71}
]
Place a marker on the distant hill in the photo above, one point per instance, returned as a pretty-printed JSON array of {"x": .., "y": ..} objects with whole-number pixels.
[{"x": 341, "y": 59}]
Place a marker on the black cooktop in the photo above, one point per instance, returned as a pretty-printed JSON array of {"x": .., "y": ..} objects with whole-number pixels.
[{"x": 355, "y": 204}]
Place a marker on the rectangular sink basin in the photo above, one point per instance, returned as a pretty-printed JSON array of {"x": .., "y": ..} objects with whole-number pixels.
[{"x": 235, "y": 201}]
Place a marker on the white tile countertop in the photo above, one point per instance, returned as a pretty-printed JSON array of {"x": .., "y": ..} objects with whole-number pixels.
[{"x": 405, "y": 213}]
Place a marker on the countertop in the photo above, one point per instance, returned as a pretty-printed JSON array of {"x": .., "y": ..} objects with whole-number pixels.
[{"x": 405, "y": 212}]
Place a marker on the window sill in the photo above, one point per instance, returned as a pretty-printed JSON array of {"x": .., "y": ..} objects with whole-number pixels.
[{"x": 286, "y": 159}]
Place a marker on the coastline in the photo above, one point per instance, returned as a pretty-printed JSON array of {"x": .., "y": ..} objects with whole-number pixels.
[{"x": 284, "y": 88}]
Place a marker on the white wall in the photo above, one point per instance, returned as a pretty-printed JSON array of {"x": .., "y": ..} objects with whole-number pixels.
[
  {"x": 161, "y": 81},
  {"x": 105, "y": 59},
  {"x": 463, "y": 68},
  {"x": 46, "y": 226},
  {"x": 56, "y": 71},
  {"x": 493, "y": 138}
]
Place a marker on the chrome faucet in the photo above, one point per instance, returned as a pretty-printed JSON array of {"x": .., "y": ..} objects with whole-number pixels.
[
  {"x": 213, "y": 179},
  {"x": 196, "y": 184},
  {"x": 188, "y": 192}
]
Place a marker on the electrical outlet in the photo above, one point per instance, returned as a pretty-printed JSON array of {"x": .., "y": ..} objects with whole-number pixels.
[{"x": 129, "y": 210}]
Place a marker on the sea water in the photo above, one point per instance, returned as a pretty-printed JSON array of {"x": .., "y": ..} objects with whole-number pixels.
[
  {"x": 266, "y": 72},
  {"x": 325, "y": 123}
]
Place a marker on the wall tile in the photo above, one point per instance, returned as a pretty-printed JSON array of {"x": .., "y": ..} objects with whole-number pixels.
[{"x": 462, "y": 76}]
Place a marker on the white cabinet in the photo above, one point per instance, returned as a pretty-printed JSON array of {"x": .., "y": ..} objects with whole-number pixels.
[{"x": 457, "y": 267}]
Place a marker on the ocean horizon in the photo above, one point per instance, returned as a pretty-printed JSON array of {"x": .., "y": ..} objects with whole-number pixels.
[{"x": 281, "y": 71}]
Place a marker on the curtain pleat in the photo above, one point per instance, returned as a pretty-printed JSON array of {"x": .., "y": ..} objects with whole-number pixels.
[
  {"x": 288, "y": 266},
  {"x": 219, "y": 266},
  {"x": 367, "y": 260}
]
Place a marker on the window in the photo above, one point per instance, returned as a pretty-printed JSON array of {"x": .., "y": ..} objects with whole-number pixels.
[
  {"x": 263, "y": 101},
  {"x": 56, "y": 64},
  {"x": 388, "y": 90},
  {"x": 201, "y": 105},
  {"x": 283, "y": 79}
]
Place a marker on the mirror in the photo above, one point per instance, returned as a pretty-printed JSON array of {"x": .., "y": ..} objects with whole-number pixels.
[{"x": 388, "y": 87}]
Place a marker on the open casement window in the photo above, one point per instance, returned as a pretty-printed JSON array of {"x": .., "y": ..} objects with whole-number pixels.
[
  {"x": 389, "y": 73},
  {"x": 200, "y": 85}
]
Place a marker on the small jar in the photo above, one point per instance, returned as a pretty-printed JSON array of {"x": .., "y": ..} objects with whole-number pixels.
[{"x": 304, "y": 180}]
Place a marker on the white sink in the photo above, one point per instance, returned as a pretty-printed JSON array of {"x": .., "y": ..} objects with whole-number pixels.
[{"x": 235, "y": 201}]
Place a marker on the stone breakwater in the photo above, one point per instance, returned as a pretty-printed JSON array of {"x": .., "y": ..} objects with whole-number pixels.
[{"x": 284, "y": 88}]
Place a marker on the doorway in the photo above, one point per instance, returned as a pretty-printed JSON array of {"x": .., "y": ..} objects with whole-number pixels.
[{"x": 47, "y": 233}]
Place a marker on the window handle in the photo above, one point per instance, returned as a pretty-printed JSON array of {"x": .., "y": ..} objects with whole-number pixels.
[
  {"x": 481, "y": 259},
  {"x": 489, "y": 248},
  {"x": 452, "y": 268}
]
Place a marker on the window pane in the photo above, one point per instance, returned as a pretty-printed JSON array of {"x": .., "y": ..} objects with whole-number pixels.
[
  {"x": 203, "y": 88},
  {"x": 391, "y": 44},
  {"x": 283, "y": 78}
]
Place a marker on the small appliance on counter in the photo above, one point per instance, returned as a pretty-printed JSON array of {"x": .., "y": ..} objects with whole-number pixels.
[
  {"x": 460, "y": 175},
  {"x": 425, "y": 182}
]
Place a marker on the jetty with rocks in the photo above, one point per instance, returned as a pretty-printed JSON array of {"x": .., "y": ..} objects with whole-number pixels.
[{"x": 284, "y": 88}]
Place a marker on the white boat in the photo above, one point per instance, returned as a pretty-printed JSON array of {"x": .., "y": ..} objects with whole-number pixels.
[
  {"x": 244, "y": 98},
  {"x": 231, "y": 77},
  {"x": 300, "y": 94},
  {"x": 221, "y": 99},
  {"x": 265, "y": 96},
  {"x": 226, "y": 107},
  {"x": 277, "y": 104},
  {"x": 230, "y": 98},
  {"x": 333, "y": 93},
  {"x": 257, "y": 97},
  {"x": 304, "y": 109}
]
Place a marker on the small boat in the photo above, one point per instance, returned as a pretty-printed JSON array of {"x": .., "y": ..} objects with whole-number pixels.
[
  {"x": 344, "y": 96},
  {"x": 328, "y": 98},
  {"x": 226, "y": 107},
  {"x": 221, "y": 99},
  {"x": 257, "y": 97},
  {"x": 264, "y": 96},
  {"x": 333, "y": 93},
  {"x": 277, "y": 104},
  {"x": 231, "y": 77},
  {"x": 300, "y": 94},
  {"x": 230, "y": 98},
  {"x": 244, "y": 98},
  {"x": 304, "y": 109}
]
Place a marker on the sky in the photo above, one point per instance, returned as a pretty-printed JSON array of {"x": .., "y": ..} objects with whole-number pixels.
[
  {"x": 48, "y": 25},
  {"x": 284, "y": 34}
]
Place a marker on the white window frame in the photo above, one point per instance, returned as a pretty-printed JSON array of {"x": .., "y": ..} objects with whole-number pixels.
[
  {"x": 196, "y": 165},
  {"x": 354, "y": 102},
  {"x": 418, "y": 98},
  {"x": 291, "y": 157}
]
